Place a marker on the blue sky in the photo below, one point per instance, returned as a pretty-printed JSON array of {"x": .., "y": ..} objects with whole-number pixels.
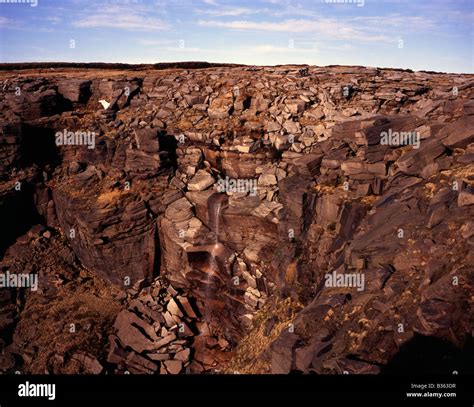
[{"x": 417, "y": 34}]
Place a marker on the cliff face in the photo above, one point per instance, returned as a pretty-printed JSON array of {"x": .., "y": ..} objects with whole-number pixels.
[{"x": 234, "y": 218}]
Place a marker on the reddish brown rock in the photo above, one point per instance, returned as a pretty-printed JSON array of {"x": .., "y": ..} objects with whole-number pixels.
[{"x": 328, "y": 196}]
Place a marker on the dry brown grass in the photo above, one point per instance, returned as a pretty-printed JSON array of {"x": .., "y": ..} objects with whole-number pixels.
[
  {"x": 249, "y": 356},
  {"x": 108, "y": 197}
]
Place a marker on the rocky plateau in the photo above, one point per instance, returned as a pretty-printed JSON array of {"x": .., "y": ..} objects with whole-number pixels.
[{"x": 236, "y": 219}]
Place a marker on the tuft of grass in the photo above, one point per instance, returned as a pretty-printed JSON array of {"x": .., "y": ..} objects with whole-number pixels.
[{"x": 251, "y": 355}]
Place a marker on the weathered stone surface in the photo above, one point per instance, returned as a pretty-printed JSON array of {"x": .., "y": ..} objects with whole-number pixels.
[
  {"x": 221, "y": 107},
  {"x": 414, "y": 161},
  {"x": 201, "y": 181},
  {"x": 98, "y": 238},
  {"x": 459, "y": 133},
  {"x": 180, "y": 210},
  {"x": 147, "y": 140},
  {"x": 173, "y": 366},
  {"x": 466, "y": 197},
  {"x": 75, "y": 90},
  {"x": 297, "y": 201},
  {"x": 322, "y": 242},
  {"x": 34, "y": 105},
  {"x": 131, "y": 335}
]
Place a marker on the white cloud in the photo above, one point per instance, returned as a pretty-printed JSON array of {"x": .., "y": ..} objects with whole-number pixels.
[
  {"x": 186, "y": 49},
  {"x": 54, "y": 19},
  {"x": 272, "y": 49},
  {"x": 252, "y": 25},
  {"x": 131, "y": 22},
  {"x": 3, "y": 21},
  {"x": 10, "y": 24},
  {"x": 169, "y": 45},
  {"x": 291, "y": 10},
  {"x": 278, "y": 2},
  {"x": 326, "y": 28},
  {"x": 395, "y": 21},
  {"x": 120, "y": 16},
  {"x": 157, "y": 43},
  {"x": 229, "y": 11}
]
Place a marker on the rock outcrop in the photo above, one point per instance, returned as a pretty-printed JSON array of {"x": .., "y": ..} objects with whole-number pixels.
[{"x": 259, "y": 220}]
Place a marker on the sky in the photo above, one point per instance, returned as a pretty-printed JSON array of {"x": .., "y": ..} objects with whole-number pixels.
[{"x": 435, "y": 35}]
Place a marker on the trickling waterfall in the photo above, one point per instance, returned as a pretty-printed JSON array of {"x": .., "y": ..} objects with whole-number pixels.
[
  {"x": 217, "y": 220},
  {"x": 214, "y": 208},
  {"x": 215, "y": 204}
]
